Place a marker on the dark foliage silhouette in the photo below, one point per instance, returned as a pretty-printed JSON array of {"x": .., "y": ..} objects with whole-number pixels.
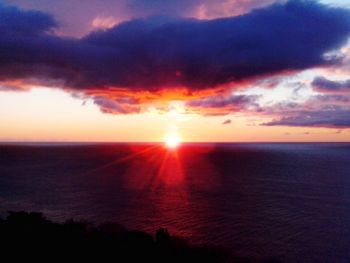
[{"x": 33, "y": 237}]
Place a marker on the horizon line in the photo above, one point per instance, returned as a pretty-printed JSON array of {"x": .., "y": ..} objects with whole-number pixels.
[{"x": 159, "y": 142}]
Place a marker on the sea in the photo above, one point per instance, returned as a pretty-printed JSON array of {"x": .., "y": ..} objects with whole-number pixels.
[{"x": 260, "y": 201}]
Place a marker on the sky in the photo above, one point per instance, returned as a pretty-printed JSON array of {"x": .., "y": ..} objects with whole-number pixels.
[{"x": 206, "y": 71}]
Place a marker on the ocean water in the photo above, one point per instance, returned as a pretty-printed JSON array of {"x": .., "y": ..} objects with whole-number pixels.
[{"x": 284, "y": 201}]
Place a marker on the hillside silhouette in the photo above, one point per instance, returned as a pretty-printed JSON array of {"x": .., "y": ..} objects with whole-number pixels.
[{"x": 33, "y": 237}]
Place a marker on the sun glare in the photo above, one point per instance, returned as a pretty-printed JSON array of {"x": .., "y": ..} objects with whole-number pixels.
[{"x": 172, "y": 141}]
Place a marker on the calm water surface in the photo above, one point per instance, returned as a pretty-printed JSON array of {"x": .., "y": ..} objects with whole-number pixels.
[{"x": 286, "y": 201}]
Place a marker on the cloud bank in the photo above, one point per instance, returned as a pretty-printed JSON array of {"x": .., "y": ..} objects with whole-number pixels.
[
  {"x": 158, "y": 53},
  {"x": 153, "y": 54},
  {"x": 337, "y": 118},
  {"x": 325, "y": 110}
]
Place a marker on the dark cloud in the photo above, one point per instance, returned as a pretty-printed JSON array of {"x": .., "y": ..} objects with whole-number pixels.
[
  {"x": 281, "y": 37},
  {"x": 15, "y": 22},
  {"x": 223, "y": 101},
  {"x": 75, "y": 16},
  {"x": 160, "y": 52},
  {"x": 222, "y": 105},
  {"x": 322, "y": 84},
  {"x": 78, "y": 19},
  {"x": 339, "y": 118},
  {"x": 226, "y": 122}
]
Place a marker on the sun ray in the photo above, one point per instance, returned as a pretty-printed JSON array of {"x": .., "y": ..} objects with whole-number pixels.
[{"x": 121, "y": 160}]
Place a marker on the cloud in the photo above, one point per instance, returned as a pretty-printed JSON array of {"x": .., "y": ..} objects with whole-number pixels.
[
  {"x": 222, "y": 101},
  {"x": 120, "y": 106},
  {"x": 221, "y": 105},
  {"x": 322, "y": 84},
  {"x": 10, "y": 88},
  {"x": 204, "y": 54},
  {"x": 339, "y": 118},
  {"x": 325, "y": 110},
  {"x": 150, "y": 53},
  {"x": 77, "y": 19},
  {"x": 162, "y": 53},
  {"x": 203, "y": 9},
  {"x": 226, "y": 122},
  {"x": 76, "y": 16},
  {"x": 329, "y": 100},
  {"x": 14, "y": 21},
  {"x": 100, "y": 22}
]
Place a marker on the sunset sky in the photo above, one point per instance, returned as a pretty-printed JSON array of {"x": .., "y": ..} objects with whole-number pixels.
[{"x": 205, "y": 70}]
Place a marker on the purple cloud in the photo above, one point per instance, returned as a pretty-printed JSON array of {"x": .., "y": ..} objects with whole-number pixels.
[
  {"x": 222, "y": 101},
  {"x": 193, "y": 8},
  {"x": 16, "y": 22},
  {"x": 157, "y": 53},
  {"x": 222, "y": 105},
  {"x": 117, "y": 106},
  {"x": 322, "y": 84},
  {"x": 160, "y": 52},
  {"x": 338, "y": 118},
  {"x": 326, "y": 110},
  {"x": 76, "y": 19}
]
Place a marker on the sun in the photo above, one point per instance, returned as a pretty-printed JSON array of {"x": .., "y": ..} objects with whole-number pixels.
[{"x": 172, "y": 141}]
